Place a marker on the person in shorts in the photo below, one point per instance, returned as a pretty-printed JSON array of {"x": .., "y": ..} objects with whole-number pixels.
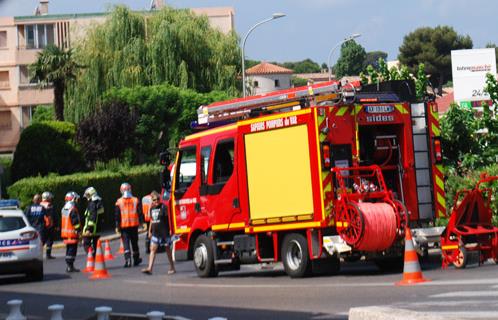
[{"x": 159, "y": 233}]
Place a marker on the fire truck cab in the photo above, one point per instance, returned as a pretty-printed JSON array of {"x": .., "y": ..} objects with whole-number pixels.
[{"x": 306, "y": 176}]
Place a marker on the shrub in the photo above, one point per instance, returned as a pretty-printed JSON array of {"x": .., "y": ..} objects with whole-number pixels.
[
  {"x": 43, "y": 113},
  {"x": 107, "y": 133},
  {"x": 6, "y": 176},
  {"x": 45, "y": 147},
  {"x": 143, "y": 179}
]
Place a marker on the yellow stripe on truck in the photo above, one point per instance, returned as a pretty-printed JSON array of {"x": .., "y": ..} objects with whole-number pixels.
[
  {"x": 441, "y": 200},
  {"x": 439, "y": 183}
]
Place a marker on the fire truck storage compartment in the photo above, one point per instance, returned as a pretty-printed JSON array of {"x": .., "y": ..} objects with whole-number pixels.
[
  {"x": 279, "y": 173},
  {"x": 380, "y": 145}
]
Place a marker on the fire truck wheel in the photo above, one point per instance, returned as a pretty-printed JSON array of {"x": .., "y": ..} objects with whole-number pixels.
[
  {"x": 295, "y": 255},
  {"x": 460, "y": 261},
  {"x": 204, "y": 257}
]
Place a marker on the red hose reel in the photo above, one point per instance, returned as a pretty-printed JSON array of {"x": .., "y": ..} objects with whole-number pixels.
[{"x": 368, "y": 219}]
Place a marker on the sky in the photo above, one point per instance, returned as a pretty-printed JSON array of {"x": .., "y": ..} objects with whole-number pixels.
[{"x": 312, "y": 28}]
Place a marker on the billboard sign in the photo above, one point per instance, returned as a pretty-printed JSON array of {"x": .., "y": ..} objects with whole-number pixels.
[{"x": 469, "y": 69}]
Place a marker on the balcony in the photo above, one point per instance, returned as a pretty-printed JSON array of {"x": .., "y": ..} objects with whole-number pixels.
[{"x": 32, "y": 94}]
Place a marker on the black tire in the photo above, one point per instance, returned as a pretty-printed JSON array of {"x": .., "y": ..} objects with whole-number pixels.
[
  {"x": 295, "y": 255},
  {"x": 36, "y": 274},
  {"x": 204, "y": 257},
  {"x": 462, "y": 259}
]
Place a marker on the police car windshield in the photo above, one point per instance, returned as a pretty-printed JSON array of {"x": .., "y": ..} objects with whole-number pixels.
[{"x": 11, "y": 223}]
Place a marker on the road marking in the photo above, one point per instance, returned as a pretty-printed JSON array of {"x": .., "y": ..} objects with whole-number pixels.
[
  {"x": 137, "y": 281},
  {"x": 493, "y": 293},
  {"x": 322, "y": 285},
  {"x": 445, "y": 303},
  {"x": 466, "y": 314}
]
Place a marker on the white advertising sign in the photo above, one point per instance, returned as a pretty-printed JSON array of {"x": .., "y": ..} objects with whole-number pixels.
[{"x": 469, "y": 69}]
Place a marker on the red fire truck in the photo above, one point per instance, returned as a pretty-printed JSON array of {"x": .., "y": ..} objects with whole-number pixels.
[{"x": 307, "y": 176}]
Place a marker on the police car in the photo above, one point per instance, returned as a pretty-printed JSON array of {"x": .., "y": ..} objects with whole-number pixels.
[{"x": 21, "y": 251}]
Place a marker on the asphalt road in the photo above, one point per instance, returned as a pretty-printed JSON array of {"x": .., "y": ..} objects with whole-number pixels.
[{"x": 253, "y": 293}]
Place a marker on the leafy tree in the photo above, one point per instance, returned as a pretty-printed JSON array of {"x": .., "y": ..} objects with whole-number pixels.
[
  {"x": 169, "y": 46},
  {"x": 421, "y": 82},
  {"x": 351, "y": 60},
  {"x": 107, "y": 133},
  {"x": 457, "y": 134},
  {"x": 164, "y": 115},
  {"x": 299, "y": 82},
  {"x": 492, "y": 88},
  {"x": 372, "y": 58},
  {"x": 43, "y": 113},
  {"x": 304, "y": 66},
  {"x": 432, "y": 47},
  {"x": 47, "y": 147},
  {"x": 55, "y": 66}
]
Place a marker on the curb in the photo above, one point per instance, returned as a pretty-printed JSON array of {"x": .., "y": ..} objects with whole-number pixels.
[
  {"x": 386, "y": 313},
  {"x": 111, "y": 237}
]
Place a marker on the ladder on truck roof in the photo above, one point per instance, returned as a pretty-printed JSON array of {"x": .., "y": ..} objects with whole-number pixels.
[{"x": 291, "y": 99}]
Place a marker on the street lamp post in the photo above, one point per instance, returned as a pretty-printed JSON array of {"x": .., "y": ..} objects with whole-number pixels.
[
  {"x": 351, "y": 37},
  {"x": 273, "y": 17}
]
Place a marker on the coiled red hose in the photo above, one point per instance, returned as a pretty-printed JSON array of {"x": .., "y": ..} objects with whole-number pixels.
[{"x": 380, "y": 226}]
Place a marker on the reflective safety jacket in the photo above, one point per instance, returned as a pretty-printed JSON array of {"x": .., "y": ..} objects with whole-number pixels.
[
  {"x": 146, "y": 203},
  {"x": 70, "y": 223},
  {"x": 93, "y": 213},
  {"x": 49, "y": 216},
  {"x": 128, "y": 213}
]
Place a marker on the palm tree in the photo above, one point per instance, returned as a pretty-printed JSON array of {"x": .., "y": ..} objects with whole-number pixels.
[{"x": 55, "y": 66}]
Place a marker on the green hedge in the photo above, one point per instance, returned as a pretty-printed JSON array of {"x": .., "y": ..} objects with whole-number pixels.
[
  {"x": 45, "y": 147},
  {"x": 143, "y": 179}
]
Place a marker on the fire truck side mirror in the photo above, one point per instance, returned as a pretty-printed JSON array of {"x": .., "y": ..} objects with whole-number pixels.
[{"x": 164, "y": 158}]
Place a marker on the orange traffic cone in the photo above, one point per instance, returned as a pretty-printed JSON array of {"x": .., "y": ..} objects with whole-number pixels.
[
  {"x": 121, "y": 247},
  {"x": 411, "y": 270},
  {"x": 107, "y": 254},
  {"x": 90, "y": 262},
  {"x": 100, "y": 271}
]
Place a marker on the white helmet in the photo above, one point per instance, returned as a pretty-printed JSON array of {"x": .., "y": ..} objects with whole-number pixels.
[
  {"x": 47, "y": 195},
  {"x": 125, "y": 189},
  {"x": 89, "y": 192},
  {"x": 72, "y": 196}
]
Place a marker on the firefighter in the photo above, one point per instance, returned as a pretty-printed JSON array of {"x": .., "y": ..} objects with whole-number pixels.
[
  {"x": 51, "y": 222},
  {"x": 128, "y": 217},
  {"x": 146, "y": 203},
  {"x": 36, "y": 214},
  {"x": 93, "y": 213},
  {"x": 70, "y": 229}
]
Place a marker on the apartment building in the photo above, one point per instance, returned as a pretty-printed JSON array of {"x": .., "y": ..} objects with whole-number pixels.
[{"x": 23, "y": 37}]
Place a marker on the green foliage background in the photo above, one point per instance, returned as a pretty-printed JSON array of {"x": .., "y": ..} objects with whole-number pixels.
[
  {"x": 170, "y": 46},
  {"x": 165, "y": 113},
  {"x": 143, "y": 179},
  {"x": 44, "y": 147}
]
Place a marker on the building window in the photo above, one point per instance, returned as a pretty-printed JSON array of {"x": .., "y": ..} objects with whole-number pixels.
[
  {"x": 3, "y": 39},
  {"x": 25, "y": 75},
  {"x": 277, "y": 83},
  {"x": 38, "y": 36},
  {"x": 5, "y": 120},
  {"x": 4, "y": 80},
  {"x": 255, "y": 84}
]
